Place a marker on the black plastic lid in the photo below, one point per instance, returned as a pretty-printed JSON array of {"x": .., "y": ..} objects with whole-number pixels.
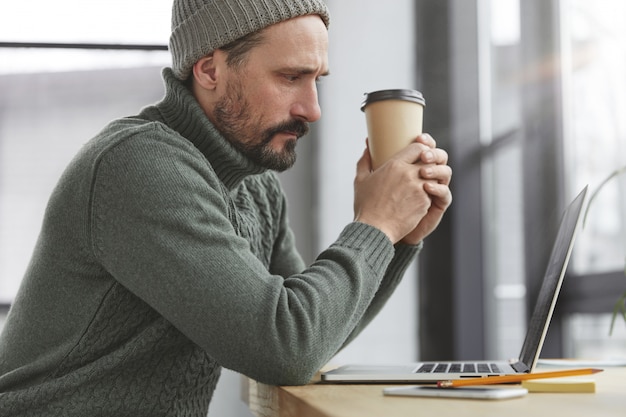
[{"x": 404, "y": 94}]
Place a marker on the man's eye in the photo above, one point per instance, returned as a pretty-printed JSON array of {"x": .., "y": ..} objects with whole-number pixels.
[{"x": 291, "y": 78}]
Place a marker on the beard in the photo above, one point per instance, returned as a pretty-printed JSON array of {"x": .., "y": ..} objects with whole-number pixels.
[{"x": 233, "y": 118}]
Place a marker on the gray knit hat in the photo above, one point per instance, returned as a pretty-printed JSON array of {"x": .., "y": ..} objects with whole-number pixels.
[{"x": 202, "y": 26}]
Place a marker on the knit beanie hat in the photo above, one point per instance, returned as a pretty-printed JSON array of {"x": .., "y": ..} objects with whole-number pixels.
[{"x": 202, "y": 26}]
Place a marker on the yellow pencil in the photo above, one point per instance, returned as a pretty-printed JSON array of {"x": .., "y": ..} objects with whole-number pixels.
[{"x": 515, "y": 378}]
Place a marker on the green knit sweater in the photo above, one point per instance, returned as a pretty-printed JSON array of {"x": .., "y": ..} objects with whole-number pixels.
[{"x": 165, "y": 255}]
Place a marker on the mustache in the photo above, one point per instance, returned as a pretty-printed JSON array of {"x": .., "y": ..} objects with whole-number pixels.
[{"x": 299, "y": 127}]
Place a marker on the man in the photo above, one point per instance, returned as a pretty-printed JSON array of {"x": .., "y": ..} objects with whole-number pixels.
[{"x": 166, "y": 254}]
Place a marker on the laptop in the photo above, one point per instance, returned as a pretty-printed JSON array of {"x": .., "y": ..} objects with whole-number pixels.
[{"x": 425, "y": 372}]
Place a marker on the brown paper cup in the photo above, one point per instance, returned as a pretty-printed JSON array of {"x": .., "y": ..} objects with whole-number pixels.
[{"x": 394, "y": 119}]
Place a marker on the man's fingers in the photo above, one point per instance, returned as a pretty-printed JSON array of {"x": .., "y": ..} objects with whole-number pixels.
[
  {"x": 418, "y": 152},
  {"x": 427, "y": 140},
  {"x": 364, "y": 164},
  {"x": 436, "y": 155},
  {"x": 442, "y": 196},
  {"x": 422, "y": 150},
  {"x": 414, "y": 153},
  {"x": 439, "y": 173}
]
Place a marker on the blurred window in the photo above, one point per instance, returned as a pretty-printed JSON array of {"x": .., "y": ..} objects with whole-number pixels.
[{"x": 66, "y": 69}]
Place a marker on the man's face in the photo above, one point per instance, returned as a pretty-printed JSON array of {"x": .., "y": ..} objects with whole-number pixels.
[{"x": 265, "y": 105}]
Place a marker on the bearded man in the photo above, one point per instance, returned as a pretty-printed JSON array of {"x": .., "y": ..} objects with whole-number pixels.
[{"x": 166, "y": 253}]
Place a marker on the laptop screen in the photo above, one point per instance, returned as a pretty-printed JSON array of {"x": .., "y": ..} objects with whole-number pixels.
[{"x": 555, "y": 271}]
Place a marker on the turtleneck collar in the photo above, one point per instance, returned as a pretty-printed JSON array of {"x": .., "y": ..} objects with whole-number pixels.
[{"x": 181, "y": 112}]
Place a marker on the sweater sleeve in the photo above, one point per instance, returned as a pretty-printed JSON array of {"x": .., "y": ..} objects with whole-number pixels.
[
  {"x": 393, "y": 276},
  {"x": 287, "y": 262},
  {"x": 160, "y": 227}
]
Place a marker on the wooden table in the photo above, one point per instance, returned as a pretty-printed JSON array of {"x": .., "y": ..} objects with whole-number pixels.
[{"x": 324, "y": 400}]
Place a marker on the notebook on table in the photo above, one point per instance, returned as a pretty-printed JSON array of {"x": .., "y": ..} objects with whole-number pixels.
[{"x": 537, "y": 327}]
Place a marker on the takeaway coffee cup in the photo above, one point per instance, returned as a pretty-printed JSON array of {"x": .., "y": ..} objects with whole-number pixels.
[{"x": 394, "y": 119}]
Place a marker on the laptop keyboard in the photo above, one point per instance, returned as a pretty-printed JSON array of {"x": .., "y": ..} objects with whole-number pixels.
[{"x": 459, "y": 368}]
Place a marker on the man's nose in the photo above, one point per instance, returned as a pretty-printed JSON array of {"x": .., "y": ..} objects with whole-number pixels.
[{"x": 307, "y": 106}]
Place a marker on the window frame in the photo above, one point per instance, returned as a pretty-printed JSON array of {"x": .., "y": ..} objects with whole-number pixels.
[{"x": 452, "y": 322}]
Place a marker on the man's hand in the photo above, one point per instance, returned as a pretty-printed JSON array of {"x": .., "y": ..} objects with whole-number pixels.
[
  {"x": 407, "y": 196},
  {"x": 434, "y": 168}
]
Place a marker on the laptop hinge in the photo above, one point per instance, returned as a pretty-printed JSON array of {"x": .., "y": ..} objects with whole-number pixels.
[{"x": 519, "y": 366}]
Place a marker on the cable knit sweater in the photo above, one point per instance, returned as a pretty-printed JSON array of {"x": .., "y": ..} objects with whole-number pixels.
[{"x": 165, "y": 255}]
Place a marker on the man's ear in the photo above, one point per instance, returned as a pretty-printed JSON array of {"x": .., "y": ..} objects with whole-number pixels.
[{"x": 206, "y": 73}]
